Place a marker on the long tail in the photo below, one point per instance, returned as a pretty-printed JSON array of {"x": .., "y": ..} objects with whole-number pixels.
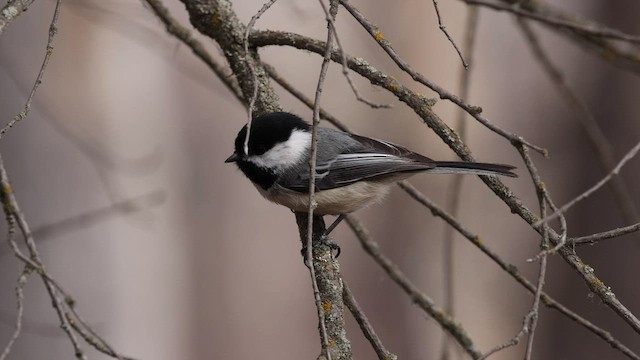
[{"x": 461, "y": 167}]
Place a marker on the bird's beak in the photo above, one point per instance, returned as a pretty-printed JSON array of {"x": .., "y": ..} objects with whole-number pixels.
[{"x": 233, "y": 158}]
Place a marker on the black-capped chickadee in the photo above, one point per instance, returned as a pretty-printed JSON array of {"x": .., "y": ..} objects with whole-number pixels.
[{"x": 352, "y": 171}]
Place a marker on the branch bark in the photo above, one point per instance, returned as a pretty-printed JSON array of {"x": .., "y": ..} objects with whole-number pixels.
[{"x": 330, "y": 287}]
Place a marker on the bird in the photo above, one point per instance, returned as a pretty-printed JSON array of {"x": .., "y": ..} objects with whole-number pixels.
[{"x": 352, "y": 171}]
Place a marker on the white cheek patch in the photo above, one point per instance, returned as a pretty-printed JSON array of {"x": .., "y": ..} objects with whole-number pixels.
[{"x": 285, "y": 154}]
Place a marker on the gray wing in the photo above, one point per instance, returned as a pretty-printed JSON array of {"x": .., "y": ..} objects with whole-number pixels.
[{"x": 348, "y": 158}]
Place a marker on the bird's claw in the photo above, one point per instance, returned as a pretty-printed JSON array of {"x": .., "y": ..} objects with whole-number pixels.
[{"x": 323, "y": 240}]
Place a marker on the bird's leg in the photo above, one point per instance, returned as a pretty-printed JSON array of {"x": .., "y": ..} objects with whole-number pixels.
[{"x": 324, "y": 238}]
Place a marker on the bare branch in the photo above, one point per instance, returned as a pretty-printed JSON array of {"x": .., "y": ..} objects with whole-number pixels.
[
  {"x": 22, "y": 281},
  {"x": 594, "y": 238},
  {"x": 365, "y": 325},
  {"x": 447, "y": 323},
  {"x": 444, "y": 31},
  {"x": 630, "y": 155},
  {"x": 347, "y": 75},
  {"x": 53, "y": 29},
  {"x": 330, "y": 289}
]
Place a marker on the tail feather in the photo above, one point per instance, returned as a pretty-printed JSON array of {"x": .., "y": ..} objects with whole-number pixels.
[{"x": 462, "y": 167}]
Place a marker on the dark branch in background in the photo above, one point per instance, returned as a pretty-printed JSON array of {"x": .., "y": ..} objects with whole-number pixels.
[
  {"x": 612, "y": 51},
  {"x": 53, "y": 29},
  {"x": 11, "y": 10},
  {"x": 455, "y": 190},
  {"x": 92, "y": 217},
  {"x": 590, "y": 29},
  {"x": 587, "y": 121},
  {"x": 422, "y": 107}
]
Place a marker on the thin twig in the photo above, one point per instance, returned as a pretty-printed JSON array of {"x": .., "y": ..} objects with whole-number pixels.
[
  {"x": 254, "y": 75},
  {"x": 474, "y": 111},
  {"x": 53, "y": 29},
  {"x": 444, "y": 30},
  {"x": 13, "y": 214},
  {"x": 22, "y": 281},
  {"x": 513, "y": 341},
  {"x": 365, "y": 325},
  {"x": 347, "y": 75},
  {"x": 628, "y": 156},
  {"x": 594, "y": 238},
  {"x": 544, "y": 199}
]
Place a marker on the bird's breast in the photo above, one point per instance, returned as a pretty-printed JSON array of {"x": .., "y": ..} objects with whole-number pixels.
[{"x": 342, "y": 200}]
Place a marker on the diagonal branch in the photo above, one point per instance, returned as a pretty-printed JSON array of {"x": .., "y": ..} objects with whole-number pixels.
[{"x": 184, "y": 34}]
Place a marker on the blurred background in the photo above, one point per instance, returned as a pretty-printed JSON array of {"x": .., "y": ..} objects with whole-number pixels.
[{"x": 176, "y": 256}]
